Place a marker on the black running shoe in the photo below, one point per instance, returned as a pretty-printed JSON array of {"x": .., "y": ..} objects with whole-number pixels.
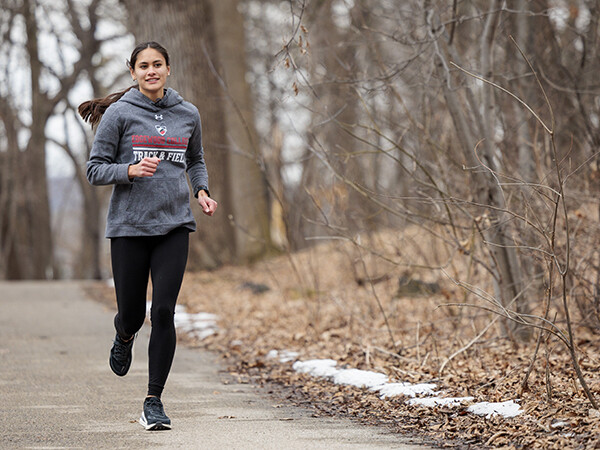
[
  {"x": 120, "y": 355},
  {"x": 153, "y": 416}
]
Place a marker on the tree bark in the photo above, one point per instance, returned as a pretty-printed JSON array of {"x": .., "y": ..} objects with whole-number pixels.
[
  {"x": 34, "y": 223},
  {"x": 10, "y": 265},
  {"x": 524, "y": 143},
  {"x": 247, "y": 182},
  {"x": 208, "y": 69}
]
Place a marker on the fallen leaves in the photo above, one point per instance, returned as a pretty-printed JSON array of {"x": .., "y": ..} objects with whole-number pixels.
[
  {"x": 337, "y": 319},
  {"x": 309, "y": 303}
]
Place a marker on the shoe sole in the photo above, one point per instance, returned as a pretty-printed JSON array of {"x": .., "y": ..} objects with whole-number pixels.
[{"x": 157, "y": 426}]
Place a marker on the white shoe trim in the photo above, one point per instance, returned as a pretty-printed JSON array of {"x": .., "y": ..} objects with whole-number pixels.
[{"x": 153, "y": 426}]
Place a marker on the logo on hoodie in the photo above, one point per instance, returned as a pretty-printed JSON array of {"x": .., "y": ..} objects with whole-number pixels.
[
  {"x": 162, "y": 129},
  {"x": 165, "y": 148}
]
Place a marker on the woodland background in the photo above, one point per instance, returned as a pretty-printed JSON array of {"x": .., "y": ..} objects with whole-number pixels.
[{"x": 466, "y": 131}]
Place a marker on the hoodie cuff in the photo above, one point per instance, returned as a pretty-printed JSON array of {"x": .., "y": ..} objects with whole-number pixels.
[
  {"x": 123, "y": 174},
  {"x": 201, "y": 188}
]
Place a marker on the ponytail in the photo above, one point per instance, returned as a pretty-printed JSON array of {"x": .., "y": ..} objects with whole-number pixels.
[{"x": 92, "y": 110}]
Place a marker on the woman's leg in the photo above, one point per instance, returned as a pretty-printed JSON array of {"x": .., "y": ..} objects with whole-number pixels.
[
  {"x": 168, "y": 262},
  {"x": 131, "y": 267}
]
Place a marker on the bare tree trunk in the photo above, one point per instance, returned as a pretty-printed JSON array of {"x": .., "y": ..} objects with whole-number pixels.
[
  {"x": 247, "y": 178},
  {"x": 35, "y": 222},
  {"x": 201, "y": 63},
  {"x": 504, "y": 259},
  {"x": 335, "y": 128},
  {"x": 89, "y": 265},
  {"x": 10, "y": 267},
  {"x": 525, "y": 148},
  {"x": 25, "y": 224},
  {"x": 186, "y": 29}
]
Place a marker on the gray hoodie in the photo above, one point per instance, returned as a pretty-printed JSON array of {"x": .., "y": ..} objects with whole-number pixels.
[{"x": 135, "y": 127}]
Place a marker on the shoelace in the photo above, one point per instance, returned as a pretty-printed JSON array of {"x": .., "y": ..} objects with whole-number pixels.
[
  {"x": 155, "y": 406},
  {"x": 121, "y": 349}
]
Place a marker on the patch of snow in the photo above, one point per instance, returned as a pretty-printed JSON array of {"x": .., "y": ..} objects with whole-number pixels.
[
  {"x": 201, "y": 325},
  {"x": 504, "y": 409},
  {"x": 559, "y": 424},
  {"x": 288, "y": 355},
  {"x": 316, "y": 367},
  {"x": 190, "y": 321},
  {"x": 359, "y": 378},
  {"x": 283, "y": 355},
  {"x": 378, "y": 382},
  {"x": 203, "y": 334},
  {"x": 407, "y": 389},
  {"x": 439, "y": 401}
]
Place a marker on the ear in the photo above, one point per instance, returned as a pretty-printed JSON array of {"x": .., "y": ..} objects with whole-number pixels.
[
  {"x": 132, "y": 73},
  {"x": 168, "y": 70}
]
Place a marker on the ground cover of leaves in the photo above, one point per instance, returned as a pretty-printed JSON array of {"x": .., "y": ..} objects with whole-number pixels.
[{"x": 337, "y": 301}]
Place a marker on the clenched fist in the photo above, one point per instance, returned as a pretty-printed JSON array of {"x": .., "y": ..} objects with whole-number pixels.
[
  {"x": 208, "y": 205},
  {"x": 145, "y": 168}
]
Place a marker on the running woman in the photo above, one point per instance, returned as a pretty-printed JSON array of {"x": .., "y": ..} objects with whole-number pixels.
[{"x": 147, "y": 138}]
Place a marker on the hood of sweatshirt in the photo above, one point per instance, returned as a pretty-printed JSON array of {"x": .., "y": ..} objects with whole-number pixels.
[{"x": 170, "y": 98}]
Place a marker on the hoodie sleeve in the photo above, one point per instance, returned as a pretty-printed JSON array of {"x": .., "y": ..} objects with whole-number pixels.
[
  {"x": 103, "y": 166},
  {"x": 194, "y": 156}
]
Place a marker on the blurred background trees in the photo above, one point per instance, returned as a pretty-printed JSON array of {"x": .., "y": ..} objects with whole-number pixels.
[
  {"x": 52, "y": 53},
  {"x": 328, "y": 119}
]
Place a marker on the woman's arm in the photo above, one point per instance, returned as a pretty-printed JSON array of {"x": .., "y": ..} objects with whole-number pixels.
[
  {"x": 102, "y": 167},
  {"x": 196, "y": 169},
  {"x": 194, "y": 156}
]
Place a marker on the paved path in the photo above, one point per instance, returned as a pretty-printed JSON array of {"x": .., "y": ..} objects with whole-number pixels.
[{"x": 57, "y": 391}]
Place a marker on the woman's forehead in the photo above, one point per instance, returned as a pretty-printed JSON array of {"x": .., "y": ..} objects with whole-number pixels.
[{"x": 150, "y": 55}]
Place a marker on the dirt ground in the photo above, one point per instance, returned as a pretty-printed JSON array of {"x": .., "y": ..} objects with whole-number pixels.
[{"x": 366, "y": 311}]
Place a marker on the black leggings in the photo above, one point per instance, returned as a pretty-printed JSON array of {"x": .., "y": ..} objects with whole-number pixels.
[{"x": 164, "y": 258}]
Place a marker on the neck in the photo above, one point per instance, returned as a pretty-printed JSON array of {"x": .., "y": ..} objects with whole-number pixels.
[{"x": 154, "y": 96}]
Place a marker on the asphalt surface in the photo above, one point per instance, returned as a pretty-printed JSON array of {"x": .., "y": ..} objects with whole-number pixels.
[{"x": 57, "y": 390}]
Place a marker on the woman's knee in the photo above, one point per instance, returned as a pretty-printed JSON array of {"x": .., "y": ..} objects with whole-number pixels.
[
  {"x": 129, "y": 324},
  {"x": 162, "y": 316}
]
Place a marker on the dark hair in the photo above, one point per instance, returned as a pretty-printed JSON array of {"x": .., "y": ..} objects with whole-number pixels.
[
  {"x": 143, "y": 46},
  {"x": 92, "y": 110}
]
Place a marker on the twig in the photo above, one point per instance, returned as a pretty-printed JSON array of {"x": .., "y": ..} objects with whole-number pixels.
[
  {"x": 417, "y": 340},
  {"x": 381, "y": 309},
  {"x": 548, "y": 379},
  {"x": 469, "y": 345},
  {"x": 563, "y": 270},
  {"x": 507, "y": 92},
  {"x": 541, "y": 333}
]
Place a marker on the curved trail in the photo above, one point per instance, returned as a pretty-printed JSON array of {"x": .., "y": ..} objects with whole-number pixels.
[{"x": 57, "y": 391}]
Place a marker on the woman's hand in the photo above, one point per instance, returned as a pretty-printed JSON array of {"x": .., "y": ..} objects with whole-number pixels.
[
  {"x": 208, "y": 205},
  {"x": 145, "y": 168}
]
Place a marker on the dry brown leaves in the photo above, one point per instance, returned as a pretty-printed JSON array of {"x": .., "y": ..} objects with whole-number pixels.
[{"x": 321, "y": 304}]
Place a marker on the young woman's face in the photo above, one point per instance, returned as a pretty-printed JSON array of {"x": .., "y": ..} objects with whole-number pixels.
[{"x": 151, "y": 73}]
